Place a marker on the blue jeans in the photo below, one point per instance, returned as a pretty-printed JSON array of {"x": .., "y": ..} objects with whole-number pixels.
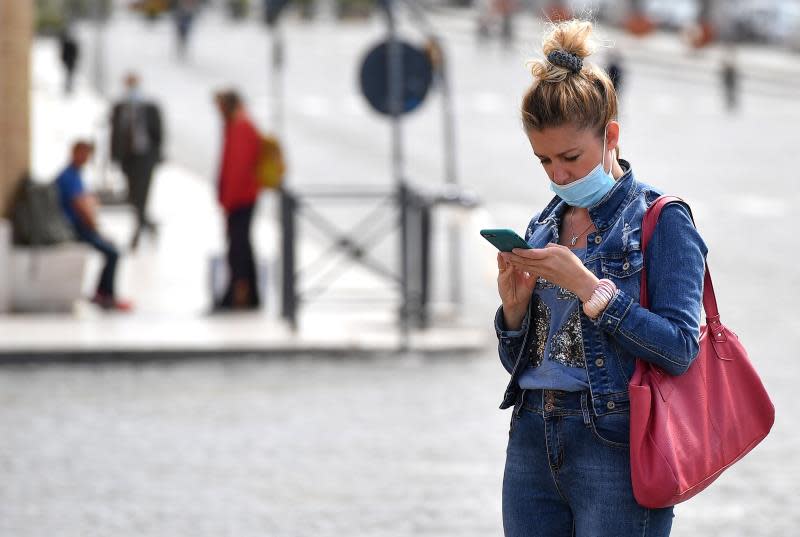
[
  {"x": 105, "y": 286},
  {"x": 568, "y": 472}
]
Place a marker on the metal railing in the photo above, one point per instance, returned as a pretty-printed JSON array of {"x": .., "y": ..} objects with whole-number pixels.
[{"x": 404, "y": 212}]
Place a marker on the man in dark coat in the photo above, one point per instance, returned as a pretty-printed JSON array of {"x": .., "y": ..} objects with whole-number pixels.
[
  {"x": 136, "y": 140},
  {"x": 69, "y": 57}
]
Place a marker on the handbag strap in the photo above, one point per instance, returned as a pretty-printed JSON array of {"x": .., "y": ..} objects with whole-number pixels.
[{"x": 648, "y": 228}]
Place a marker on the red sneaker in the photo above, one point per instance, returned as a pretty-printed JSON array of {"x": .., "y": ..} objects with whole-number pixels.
[
  {"x": 122, "y": 305},
  {"x": 110, "y": 303}
]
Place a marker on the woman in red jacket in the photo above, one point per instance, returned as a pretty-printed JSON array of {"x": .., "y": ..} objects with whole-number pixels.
[{"x": 238, "y": 192}]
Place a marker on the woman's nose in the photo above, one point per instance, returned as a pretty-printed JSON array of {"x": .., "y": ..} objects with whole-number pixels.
[{"x": 561, "y": 176}]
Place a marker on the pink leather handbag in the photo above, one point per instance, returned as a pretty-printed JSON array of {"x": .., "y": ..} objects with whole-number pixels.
[{"x": 686, "y": 430}]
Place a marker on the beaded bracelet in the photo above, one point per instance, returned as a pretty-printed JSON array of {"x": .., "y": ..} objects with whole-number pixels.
[{"x": 604, "y": 291}]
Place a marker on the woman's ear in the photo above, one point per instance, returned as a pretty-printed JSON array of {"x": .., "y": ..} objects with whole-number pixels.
[{"x": 612, "y": 135}]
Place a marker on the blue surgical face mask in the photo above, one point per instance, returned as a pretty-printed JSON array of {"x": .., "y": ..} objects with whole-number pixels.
[
  {"x": 134, "y": 94},
  {"x": 588, "y": 190}
]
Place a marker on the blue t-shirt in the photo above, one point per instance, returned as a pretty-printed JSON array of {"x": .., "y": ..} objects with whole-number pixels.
[
  {"x": 557, "y": 359},
  {"x": 70, "y": 186}
]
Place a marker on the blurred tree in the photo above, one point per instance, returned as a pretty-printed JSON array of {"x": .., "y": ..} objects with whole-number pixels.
[
  {"x": 152, "y": 9},
  {"x": 238, "y": 9},
  {"x": 346, "y": 9},
  {"x": 52, "y": 16}
]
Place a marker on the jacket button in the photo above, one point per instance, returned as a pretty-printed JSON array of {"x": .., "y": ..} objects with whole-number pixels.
[
  {"x": 611, "y": 405},
  {"x": 599, "y": 362},
  {"x": 548, "y": 407},
  {"x": 598, "y": 239},
  {"x": 626, "y": 266}
]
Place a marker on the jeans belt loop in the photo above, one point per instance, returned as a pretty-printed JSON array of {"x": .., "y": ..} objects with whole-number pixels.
[
  {"x": 520, "y": 402},
  {"x": 585, "y": 408}
]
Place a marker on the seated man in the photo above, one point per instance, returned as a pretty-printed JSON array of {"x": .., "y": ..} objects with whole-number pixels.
[{"x": 79, "y": 206}]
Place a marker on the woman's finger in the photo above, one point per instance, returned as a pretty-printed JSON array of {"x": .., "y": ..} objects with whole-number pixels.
[
  {"x": 527, "y": 264},
  {"x": 531, "y": 253}
]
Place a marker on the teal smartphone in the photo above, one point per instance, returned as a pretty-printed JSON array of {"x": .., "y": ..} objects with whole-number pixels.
[{"x": 504, "y": 240}]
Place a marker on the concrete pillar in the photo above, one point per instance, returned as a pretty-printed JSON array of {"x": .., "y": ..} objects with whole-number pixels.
[{"x": 16, "y": 34}]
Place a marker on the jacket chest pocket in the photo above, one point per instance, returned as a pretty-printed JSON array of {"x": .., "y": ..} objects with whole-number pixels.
[{"x": 624, "y": 269}]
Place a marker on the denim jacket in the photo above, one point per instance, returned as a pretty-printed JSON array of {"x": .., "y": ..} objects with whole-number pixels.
[{"x": 667, "y": 334}]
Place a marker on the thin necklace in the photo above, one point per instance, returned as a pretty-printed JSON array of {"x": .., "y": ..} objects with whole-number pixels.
[{"x": 575, "y": 237}]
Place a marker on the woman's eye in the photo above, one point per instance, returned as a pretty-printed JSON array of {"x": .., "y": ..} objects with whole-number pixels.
[
  {"x": 571, "y": 159},
  {"x": 545, "y": 161}
]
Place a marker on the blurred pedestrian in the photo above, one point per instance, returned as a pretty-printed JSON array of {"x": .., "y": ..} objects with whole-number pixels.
[
  {"x": 70, "y": 52},
  {"x": 506, "y": 10},
  {"x": 80, "y": 208},
  {"x": 492, "y": 13},
  {"x": 238, "y": 190},
  {"x": 570, "y": 327},
  {"x": 616, "y": 70},
  {"x": 484, "y": 20},
  {"x": 136, "y": 140},
  {"x": 184, "y": 14},
  {"x": 730, "y": 80}
]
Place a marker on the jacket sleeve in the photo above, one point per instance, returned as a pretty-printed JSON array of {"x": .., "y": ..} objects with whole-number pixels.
[
  {"x": 511, "y": 341},
  {"x": 667, "y": 334},
  {"x": 156, "y": 127}
]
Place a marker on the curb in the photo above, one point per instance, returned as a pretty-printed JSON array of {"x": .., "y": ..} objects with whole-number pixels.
[{"x": 26, "y": 358}]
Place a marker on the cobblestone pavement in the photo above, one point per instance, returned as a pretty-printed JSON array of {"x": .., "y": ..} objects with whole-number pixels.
[
  {"x": 396, "y": 447},
  {"x": 386, "y": 447}
]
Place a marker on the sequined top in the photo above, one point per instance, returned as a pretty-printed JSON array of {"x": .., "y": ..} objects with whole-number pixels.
[{"x": 557, "y": 360}]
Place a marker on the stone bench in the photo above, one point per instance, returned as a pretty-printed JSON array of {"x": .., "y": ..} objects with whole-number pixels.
[{"x": 40, "y": 279}]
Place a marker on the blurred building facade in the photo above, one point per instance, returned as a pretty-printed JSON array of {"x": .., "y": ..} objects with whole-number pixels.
[{"x": 16, "y": 33}]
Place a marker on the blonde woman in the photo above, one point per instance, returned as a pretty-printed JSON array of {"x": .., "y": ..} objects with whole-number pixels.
[{"x": 570, "y": 326}]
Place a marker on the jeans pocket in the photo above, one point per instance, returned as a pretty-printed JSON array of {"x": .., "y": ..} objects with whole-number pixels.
[{"x": 613, "y": 429}]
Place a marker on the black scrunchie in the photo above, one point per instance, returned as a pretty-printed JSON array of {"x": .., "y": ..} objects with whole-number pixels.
[{"x": 565, "y": 59}]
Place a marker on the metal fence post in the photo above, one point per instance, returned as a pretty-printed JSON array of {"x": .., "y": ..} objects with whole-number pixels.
[
  {"x": 289, "y": 295},
  {"x": 424, "y": 261}
]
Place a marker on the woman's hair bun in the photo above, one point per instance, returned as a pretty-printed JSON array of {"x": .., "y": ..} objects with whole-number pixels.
[
  {"x": 572, "y": 36},
  {"x": 565, "y": 46}
]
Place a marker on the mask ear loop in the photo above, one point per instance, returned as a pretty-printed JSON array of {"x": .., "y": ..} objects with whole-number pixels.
[{"x": 603, "y": 160}]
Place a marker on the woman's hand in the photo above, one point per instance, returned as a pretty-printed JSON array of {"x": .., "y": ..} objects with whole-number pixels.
[
  {"x": 556, "y": 264},
  {"x": 515, "y": 288}
]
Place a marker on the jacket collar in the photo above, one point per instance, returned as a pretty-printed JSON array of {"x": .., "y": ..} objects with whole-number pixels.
[{"x": 608, "y": 209}]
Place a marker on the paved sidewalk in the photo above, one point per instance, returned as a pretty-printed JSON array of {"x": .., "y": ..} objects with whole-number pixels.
[{"x": 168, "y": 278}]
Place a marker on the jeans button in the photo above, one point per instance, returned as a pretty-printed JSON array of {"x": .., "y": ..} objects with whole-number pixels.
[
  {"x": 599, "y": 362},
  {"x": 610, "y": 405}
]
